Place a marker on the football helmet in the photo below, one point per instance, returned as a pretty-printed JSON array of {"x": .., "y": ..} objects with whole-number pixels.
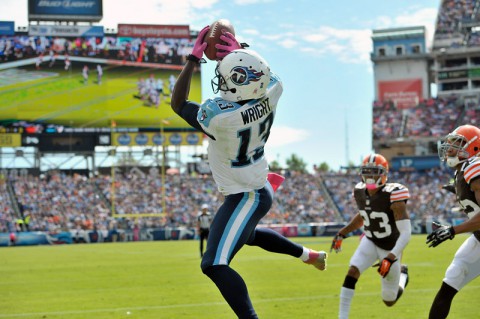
[
  {"x": 374, "y": 171},
  {"x": 241, "y": 75},
  {"x": 460, "y": 145}
]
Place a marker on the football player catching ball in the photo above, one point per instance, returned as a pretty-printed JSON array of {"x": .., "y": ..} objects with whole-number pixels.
[{"x": 238, "y": 125}]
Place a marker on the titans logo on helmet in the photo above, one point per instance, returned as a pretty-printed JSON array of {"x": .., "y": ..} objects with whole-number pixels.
[{"x": 242, "y": 75}]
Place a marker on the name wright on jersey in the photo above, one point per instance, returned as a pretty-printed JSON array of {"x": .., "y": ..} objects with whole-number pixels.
[{"x": 256, "y": 111}]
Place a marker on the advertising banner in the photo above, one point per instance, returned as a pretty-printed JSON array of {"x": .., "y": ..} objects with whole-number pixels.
[
  {"x": 448, "y": 75},
  {"x": 304, "y": 230},
  {"x": 153, "y": 31},
  {"x": 404, "y": 93},
  {"x": 75, "y": 236},
  {"x": 61, "y": 10},
  {"x": 7, "y": 28},
  {"x": 157, "y": 139},
  {"x": 36, "y": 238},
  {"x": 414, "y": 163},
  {"x": 66, "y": 30},
  {"x": 11, "y": 140}
]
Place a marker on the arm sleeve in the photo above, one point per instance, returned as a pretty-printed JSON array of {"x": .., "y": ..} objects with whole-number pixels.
[
  {"x": 405, "y": 229},
  {"x": 189, "y": 113}
]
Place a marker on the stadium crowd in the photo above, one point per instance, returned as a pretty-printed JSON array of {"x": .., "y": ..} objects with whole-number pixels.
[
  {"x": 154, "y": 50},
  {"x": 58, "y": 201},
  {"x": 434, "y": 117},
  {"x": 451, "y": 15}
]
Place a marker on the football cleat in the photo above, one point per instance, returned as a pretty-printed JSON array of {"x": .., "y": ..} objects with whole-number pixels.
[
  {"x": 317, "y": 259},
  {"x": 404, "y": 270}
]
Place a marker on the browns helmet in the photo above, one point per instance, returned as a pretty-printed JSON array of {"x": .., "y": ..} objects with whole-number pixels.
[
  {"x": 374, "y": 171},
  {"x": 461, "y": 144}
]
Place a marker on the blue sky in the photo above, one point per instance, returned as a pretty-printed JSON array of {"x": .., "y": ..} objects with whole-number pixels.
[{"x": 320, "y": 49}]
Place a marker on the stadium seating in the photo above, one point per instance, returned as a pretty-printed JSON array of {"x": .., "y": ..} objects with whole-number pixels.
[
  {"x": 59, "y": 202},
  {"x": 430, "y": 118}
]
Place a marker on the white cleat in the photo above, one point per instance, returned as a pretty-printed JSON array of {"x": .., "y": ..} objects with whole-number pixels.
[{"x": 317, "y": 259}]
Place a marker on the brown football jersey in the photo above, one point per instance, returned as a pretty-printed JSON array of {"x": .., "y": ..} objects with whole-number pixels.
[
  {"x": 378, "y": 217},
  {"x": 469, "y": 171}
]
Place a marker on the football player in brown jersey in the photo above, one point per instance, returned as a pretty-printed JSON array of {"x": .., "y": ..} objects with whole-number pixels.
[
  {"x": 383, "y": 214},
  {"x": 461, "y": 151}
]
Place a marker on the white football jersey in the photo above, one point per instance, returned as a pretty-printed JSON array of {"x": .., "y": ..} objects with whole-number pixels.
[{"x": 236, "y": 154}]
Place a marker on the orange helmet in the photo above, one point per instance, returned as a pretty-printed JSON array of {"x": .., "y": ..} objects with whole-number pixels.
[
  {"x": 374, "y": 171},
  {"x": 460, "y": 145}
]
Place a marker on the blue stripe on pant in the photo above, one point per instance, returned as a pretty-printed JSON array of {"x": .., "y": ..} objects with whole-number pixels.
[
  {"x": 232, "y": 227},
  {"x": 234, "y": 224}
]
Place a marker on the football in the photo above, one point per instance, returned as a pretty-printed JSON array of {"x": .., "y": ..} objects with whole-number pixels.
[{"x": 213, "y": 37}]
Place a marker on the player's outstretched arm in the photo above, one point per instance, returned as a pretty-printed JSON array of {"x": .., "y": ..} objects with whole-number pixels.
[
  {"x": 182, "y": 86},
  {"x": 439, "y": 234},
  {"x": 402, "y": 221},
  {"x": 353, "y": 225},
  {"x": 337, "y": 242}
]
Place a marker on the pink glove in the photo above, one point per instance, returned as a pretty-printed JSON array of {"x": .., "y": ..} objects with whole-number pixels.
[
  {"x": 200, "y": 44},
  {"x": 231, "y": 44}
]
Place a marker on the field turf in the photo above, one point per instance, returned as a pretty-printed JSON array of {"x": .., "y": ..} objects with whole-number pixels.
[
  {"x": 53, "y": 95},
  {"x": 163, "y": 280}
]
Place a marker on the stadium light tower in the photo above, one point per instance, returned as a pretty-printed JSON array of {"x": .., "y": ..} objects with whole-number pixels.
[
  {"x": 347, "y": 146},
  {"x": 113, "y": 124},
  {"x": 163, "y": 122}
]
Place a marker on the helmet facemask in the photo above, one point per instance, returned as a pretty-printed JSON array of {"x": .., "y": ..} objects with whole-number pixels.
[
  {"x": 218, "y": 82},
  {"x": 453, "y": 150},
  {"x": 373, "y": 176}
]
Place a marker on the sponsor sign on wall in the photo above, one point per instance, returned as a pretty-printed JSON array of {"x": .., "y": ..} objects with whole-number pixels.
[
  {"x": 157, "y": 139},
  {"x": 414, "y": 163},
  {"x": 403, "y": 93},
  {"x": 7, "y": 28},
  {"x": 66, "y": 30},
  {"x": 153, "y": 31},
  {"x": 10, "y": 140}
]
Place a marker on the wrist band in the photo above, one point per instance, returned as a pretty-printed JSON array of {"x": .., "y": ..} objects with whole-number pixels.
[{"x": 193, "y": 58}]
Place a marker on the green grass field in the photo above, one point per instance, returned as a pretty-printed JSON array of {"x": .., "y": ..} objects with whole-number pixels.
[
  {"x": 163, "y": 280},
  {"x": 60, "y": 97}
]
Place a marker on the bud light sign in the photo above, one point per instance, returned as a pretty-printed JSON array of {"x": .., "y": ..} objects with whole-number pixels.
[{"x": 77, "y": 10}]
